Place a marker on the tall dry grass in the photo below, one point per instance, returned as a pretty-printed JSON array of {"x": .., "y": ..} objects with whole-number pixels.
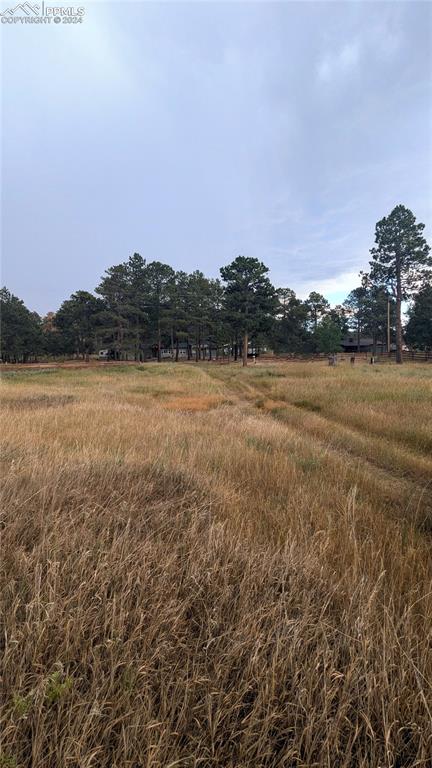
[{"x": 204, "y": 566}]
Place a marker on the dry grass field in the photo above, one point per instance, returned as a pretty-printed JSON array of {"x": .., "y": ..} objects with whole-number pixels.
[{"x": 207, "y": 566}]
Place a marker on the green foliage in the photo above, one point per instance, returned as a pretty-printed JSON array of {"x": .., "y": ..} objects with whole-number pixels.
[
  {"x": 366, "y": 310},
  {"x": 159, "y": 278},
  {"x": 377, "y": 301},
  {"x": 21, "y": 331},
  {"x": 418, "y": 332},
  {"x": 318, "y": 307},
  {"x": 124, "y": 292},
  {"x": 138, "y": 304},
  {"x": 328, "y": 336},
  {"x": 401, "y": 254},
  {"x": 199, "y": 309},
  {"x": 22, "y": 704},
  {"x": 77, "y": 321},
  {"x": 401, "y": 260},
  {"x": 339, "y": 316},
  {"x": 250, "y": 298},
  {"x": 290, "y": 330},
  {"x": 355, "y": 308},
  {"x": 7, "y": 761},
  {"x": 58, "y": 684}
]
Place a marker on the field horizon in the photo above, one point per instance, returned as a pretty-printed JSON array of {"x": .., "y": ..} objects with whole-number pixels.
[{"x": 205, "y": 565}]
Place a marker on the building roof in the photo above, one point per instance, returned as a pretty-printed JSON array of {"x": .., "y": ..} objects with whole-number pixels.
[{"x": 365, "y": 341}]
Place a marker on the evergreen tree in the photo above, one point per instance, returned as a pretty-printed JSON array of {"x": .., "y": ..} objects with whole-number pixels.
[
  {"x": 318, "y": 306},
  {"x": 219, "y": 334},
  {"x": 115, "y": 317},
  {"x": 328, "y": 336},
  {"x": 177, "y": 313},
  {"x": 199, "y": 310},
  {"x": 159, "y": 279},
  {"x": 339, "y": 316},
  {"x": 356, "y": 308},
  {"x": 77, "y": 321},
  {"x": 53, "y": 340},
  {"x": 290, "y": 332},
  {"x": 401, "y": 260},
  {"x": 136, "y": 307},
  {"x": 250, "y": 298},
  {"x": 21, "y": 330},
  {"x": 380, "y": 306},
  {"x": 418, "y": 331}
]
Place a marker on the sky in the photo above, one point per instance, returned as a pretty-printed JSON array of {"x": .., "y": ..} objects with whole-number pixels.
[{"x": 195, "y": 132}]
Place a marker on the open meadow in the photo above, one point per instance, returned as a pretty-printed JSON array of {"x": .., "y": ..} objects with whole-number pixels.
[{"x": 204, "y": 565}]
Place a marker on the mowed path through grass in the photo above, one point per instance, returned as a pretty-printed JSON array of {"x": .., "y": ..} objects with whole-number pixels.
[{"x": 211, "y": 566}]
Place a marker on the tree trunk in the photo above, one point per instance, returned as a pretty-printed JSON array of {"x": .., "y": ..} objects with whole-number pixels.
[
  {"x": 399, "y": 356},
  {"x": 374, "y": 343},
  {"x": 358, "y": 336},
  {"x": 177, "y": 350},
  {"x": 137, "y": 349},
  {"x": 159, "y": 341},
  {"x": 245, "y": 349},
  {"x": 388, "y": 329}
]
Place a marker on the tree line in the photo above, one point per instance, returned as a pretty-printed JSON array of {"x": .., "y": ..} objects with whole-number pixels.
[{"x": 141, "y": 308}]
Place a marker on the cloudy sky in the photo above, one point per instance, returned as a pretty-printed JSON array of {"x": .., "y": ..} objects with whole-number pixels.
[{"x": 193, "y": 132}]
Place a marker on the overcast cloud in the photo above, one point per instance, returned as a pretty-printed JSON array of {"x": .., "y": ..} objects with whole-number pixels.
[{"x": 194, "y": 132}]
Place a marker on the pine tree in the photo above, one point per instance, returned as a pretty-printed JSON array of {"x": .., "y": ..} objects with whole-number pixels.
[
  {"x": 401, "y": 260},
  {"x": 418, "y": 331},
  {"x": 77, "y": 320},
  {"x": 21, "y": 329},
  {"x": 318, "y": 306},
  {"x": 250, "y": 298}
]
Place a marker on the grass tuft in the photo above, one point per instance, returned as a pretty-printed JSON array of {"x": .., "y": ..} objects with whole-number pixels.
[{"x": 307, "y": 405}]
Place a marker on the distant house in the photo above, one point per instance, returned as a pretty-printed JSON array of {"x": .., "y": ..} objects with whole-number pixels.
[
  {"x": 168, "y": 353},
  {"x": 184, "y": 352},
  {"x": 207, "y": 352},
  {"x": 107, "y": 354},
  {"x": 351, "y": 344}
]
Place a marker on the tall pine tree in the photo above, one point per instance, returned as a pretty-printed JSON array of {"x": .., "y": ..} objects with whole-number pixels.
[
  {"x": 250, "y": 298},
  {"x": 401, "y": 260}
]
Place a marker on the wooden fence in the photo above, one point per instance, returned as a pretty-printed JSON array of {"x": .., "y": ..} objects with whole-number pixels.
[
  {"x": 408, "y": 356},
  {"x": 360, "y": 357}
]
